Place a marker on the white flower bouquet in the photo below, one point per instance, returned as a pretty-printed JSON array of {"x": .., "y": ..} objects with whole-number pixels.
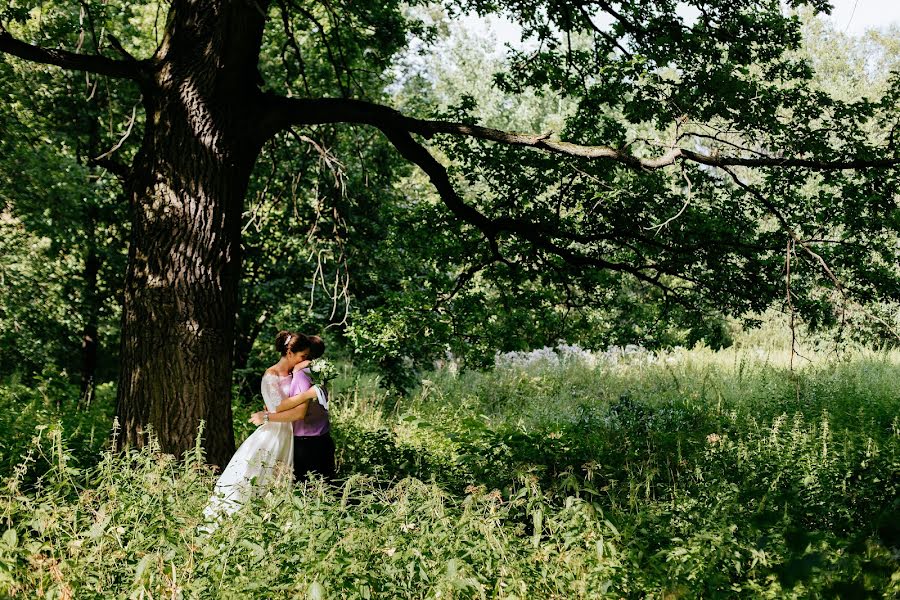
[{"x": 322, "y": 371}]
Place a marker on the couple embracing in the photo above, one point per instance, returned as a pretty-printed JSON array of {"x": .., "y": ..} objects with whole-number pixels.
[{"x": 294, "y": 430}]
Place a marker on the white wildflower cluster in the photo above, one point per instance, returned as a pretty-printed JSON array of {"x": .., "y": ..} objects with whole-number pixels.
[
  {"x": 573, "y": 354},
  {"x": 451, "y": 363}
]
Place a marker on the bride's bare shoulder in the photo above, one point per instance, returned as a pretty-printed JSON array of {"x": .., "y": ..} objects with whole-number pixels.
[{"x": 273, "y": 372}]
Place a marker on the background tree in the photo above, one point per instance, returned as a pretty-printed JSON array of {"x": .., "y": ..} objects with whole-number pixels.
[
  {"x": 59, "y": 193},
  {"x": 687, "y": 164}
]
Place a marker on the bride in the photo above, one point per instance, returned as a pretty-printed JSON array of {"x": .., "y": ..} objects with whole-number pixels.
[{"x": 270, "y": 447}]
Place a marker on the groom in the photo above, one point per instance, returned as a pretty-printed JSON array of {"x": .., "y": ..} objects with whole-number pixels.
[{"x": 313, "y": 446}]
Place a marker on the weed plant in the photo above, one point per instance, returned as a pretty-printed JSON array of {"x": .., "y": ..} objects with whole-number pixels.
[
  {"x": 54, "y": 400},
  {"x": 683, "y": 475}
]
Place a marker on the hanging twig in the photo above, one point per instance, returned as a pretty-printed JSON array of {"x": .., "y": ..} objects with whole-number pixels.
[
  {"x": 687, "y": 200},
  {"x": 118, "y": 145}
]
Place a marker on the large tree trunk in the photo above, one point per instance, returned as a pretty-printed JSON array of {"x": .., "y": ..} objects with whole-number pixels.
[{"x": 187, "y": 190}]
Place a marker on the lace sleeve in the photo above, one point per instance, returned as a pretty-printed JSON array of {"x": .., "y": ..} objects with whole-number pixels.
[{"x": 271, "y": 392}]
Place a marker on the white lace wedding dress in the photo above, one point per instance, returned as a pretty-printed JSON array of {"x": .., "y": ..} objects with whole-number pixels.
[{"x": 266, "y": 451}]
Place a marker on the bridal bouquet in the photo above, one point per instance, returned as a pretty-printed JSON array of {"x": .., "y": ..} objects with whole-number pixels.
[{"x": 322, "y": 371}]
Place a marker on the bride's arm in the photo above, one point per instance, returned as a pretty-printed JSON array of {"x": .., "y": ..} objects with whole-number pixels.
[
  {"x": 294, "y": 414},
  {"x": 294, "y": 401}
]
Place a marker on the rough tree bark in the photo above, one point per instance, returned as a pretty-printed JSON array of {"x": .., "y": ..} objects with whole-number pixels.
[{"x": 187, "y": 187}]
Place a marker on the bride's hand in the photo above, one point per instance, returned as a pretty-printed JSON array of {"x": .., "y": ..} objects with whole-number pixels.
[
  {"x": 301, "y": 365},
  {"x": 257, "y": 418}
]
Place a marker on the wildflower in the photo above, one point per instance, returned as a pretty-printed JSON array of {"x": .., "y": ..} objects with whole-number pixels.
[{"x": 713, "y": 438}]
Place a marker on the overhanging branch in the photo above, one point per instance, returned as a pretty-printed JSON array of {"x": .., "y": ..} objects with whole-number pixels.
[
  {"x": 491, "y": 228},
  {"x": 279, "y": 113},
  {"x": 91, "y": 63}
]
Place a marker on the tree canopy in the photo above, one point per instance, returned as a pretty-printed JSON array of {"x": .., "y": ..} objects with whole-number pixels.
[{"x": 699, "y": 165}]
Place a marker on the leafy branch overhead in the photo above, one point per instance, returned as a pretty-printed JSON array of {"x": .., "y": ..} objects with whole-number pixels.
[
  {"x": 723, "y": 91},
  {"x": 697, "y": 143}
]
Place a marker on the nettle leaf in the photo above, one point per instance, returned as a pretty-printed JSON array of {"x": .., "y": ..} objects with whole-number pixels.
[{"x": 10, "y": 538}]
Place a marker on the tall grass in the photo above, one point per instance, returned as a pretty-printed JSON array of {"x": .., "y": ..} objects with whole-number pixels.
[{"x": 689, "y": 474}]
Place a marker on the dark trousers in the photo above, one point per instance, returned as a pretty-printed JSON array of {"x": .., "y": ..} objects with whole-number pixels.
[{"x": 313, "y": 454}]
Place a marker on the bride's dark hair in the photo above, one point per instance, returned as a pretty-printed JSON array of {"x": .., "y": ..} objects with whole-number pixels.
[{"x": 290, "y": 340}]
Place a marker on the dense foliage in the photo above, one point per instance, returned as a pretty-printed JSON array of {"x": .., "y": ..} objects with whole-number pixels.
[
  {"x": 340, "y": 231},
  {"x": 561, "y": 474}
]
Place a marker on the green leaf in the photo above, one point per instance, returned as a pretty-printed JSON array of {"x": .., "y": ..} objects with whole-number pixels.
[
  {"x": 10, "y": 538},
  {"x": 99, "y": 527},
  {"x": 315, "y": 591},
  {"x": 538, "y": 520},
  {"x": 141, "y": 567},
  {"x": 258, "y": 551}
]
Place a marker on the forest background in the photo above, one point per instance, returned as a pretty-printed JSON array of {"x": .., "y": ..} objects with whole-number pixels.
[{"x": 342, "y": 236}]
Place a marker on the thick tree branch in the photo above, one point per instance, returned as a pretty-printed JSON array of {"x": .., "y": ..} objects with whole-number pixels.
[
  {"x": 491, "y": 228},
  {"x": 91, "y": 63},
  {"x": 440, "y": 179},
  {"x": 547, "y": 238},
  {"x": 280, "y": 113},
  {"x": 116, "y": 168}
]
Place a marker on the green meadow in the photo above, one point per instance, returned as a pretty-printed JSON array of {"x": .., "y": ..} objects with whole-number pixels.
[{"x": 558, "y": 474}]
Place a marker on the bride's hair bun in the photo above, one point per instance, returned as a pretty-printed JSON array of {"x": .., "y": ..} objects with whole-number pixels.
[
  {"x": 289, "y": 340},
  {"x": 281, "y": 341}
]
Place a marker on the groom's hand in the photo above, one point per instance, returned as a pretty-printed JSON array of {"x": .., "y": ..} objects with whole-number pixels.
[{"x": 257, "y": 417}]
